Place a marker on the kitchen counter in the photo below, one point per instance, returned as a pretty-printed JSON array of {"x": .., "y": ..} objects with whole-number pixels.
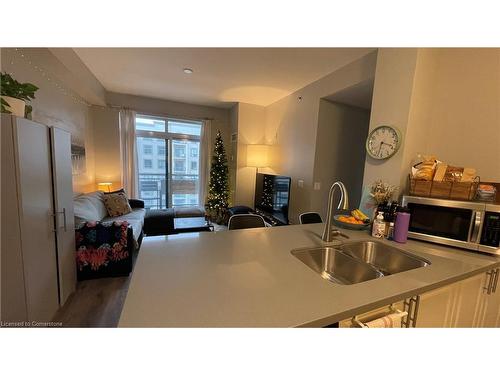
[{"x": 248, "y": 278}]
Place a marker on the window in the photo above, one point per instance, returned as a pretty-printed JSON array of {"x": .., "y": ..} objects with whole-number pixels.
[
  {"x": 184, "y": 127},
  {"x": 179, "y": 166},
  {"x": 168, "y": 152},
  {"x": 179, "y": 151},
  {"x": 149, "y": 124},
  {"x": 179, "y": 201},
  {"x": 148, "y": 163}
]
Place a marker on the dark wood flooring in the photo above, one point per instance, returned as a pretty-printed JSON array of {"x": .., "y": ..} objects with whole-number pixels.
[{"x": 95, "y": 303}]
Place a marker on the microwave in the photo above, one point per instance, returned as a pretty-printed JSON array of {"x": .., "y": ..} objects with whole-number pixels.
[{"x": 469, "y": 225}]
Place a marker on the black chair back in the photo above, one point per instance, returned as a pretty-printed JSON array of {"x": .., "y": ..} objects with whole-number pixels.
[
  {"x": 310, "y": 218},
  {"x": 243, "y": 221}
]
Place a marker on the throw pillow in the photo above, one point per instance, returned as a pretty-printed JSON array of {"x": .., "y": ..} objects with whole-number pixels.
[
  {"x": 117, "y": 204},
  {"x": 121, "y": 190}
]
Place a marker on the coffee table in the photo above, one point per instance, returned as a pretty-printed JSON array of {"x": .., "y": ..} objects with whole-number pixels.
[{"x": 192, "y": 224}]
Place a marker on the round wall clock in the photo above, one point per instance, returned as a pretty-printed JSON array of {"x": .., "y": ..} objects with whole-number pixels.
[{"x": 383, "y": 142}]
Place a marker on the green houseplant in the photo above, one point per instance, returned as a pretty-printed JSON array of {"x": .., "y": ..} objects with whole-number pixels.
[{"x": 13, "y": 93}]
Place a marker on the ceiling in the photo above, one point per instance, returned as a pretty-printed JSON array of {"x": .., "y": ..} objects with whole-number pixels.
[
  {"x": 221, "y": 77},
  {"x": 359, "y": 95}
]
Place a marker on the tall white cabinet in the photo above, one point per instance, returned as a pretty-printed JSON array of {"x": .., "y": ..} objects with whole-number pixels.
[{"x": 38, "y": 270}]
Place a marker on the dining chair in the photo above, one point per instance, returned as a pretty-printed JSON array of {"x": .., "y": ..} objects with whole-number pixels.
[
  {"x": 310, "y": 218},
  {"x": 243, "y": 221}
]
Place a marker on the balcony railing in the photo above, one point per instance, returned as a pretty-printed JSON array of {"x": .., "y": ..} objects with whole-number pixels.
[{"x": 153, "y": 190}]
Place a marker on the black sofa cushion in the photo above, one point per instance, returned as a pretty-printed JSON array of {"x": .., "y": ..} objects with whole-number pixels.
[
  {"x": 159, "y": 222},
  {"x": 136, "y": 203}
]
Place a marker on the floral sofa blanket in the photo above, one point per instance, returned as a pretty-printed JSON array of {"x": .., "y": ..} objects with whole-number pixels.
[{"x": 104, "y": 249}]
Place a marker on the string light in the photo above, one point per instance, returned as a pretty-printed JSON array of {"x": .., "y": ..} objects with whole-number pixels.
[{"x": 51, "y": 80}]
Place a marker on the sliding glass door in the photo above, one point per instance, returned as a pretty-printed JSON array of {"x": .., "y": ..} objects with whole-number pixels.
[
  {"x": 168, "y": 161},
  {"x": 185, "y": 176},
  {"x": 152, "y": 168}
]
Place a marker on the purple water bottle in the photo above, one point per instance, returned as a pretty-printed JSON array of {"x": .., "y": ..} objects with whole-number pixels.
[{"x": 401, "y": 225}]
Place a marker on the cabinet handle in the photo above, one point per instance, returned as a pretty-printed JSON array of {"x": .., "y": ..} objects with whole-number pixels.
[
  {"x": 490, "y": 281},
  {"x": 494, "y": 289},
  {"x": 63, "y": 212},
  {"x": 64, "y": 219}
]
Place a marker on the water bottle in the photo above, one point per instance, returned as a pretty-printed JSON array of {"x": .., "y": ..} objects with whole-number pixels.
[{"x": 401, "y": 226}]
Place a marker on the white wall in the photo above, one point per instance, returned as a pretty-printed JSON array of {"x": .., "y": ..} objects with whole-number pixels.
[
  {"x": 463, "y": 122},
  {"x": 340, "y": 152},
  {"x": 446, "y": 102},
  {"x": 392, "y": 93},
  {"x": 51, "y": 106},
  {"x": 251, "y": 130},
  {"x": 291, "y": 124},
  {"x": 107, "y": 145}
]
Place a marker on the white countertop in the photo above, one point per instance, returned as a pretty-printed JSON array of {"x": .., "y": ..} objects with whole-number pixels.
[{"x": 248, "y": 278}]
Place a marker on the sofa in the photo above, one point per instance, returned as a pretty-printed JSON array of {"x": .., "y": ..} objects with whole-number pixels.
[{"x": 105, "y": 245}]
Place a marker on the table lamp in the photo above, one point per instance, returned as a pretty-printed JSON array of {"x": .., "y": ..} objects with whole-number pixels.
[
  {"x": 105, "y": 184},
  {"x": 257, "y": 156}
]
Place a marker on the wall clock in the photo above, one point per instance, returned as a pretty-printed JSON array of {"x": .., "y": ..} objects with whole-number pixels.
[{"x": 383, "y": 142}]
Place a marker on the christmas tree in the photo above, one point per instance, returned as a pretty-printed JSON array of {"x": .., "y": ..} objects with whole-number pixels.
[{"x": 218, "y": 187}]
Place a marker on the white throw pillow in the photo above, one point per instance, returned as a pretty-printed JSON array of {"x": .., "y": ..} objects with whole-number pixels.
[
  {"x": 89, "y": 207},
  {"x": 96, "y": 198}
]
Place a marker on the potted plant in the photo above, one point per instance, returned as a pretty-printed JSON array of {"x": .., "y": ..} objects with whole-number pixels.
[
  {"x": 381, "y": 193},
  {"x": 16, "y": 95}
]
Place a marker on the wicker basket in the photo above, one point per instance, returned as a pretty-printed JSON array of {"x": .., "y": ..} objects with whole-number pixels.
[{"x": 464, "y": 191}]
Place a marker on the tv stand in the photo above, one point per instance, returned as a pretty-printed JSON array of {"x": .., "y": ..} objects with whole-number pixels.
[{"x": 270, "y": 219}]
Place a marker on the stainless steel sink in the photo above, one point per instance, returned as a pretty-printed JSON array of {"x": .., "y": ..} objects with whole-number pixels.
[
  {"x": 355, "y": 262},
  {"x": 333, "y": 265},
  {"x": 385, "y": 258}
]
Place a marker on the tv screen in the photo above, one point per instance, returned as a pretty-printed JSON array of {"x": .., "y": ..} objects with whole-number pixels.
[{"x": 272, "y": 195}]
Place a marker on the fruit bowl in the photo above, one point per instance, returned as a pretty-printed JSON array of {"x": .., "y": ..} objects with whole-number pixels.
[{"x": 349, "y": 225}]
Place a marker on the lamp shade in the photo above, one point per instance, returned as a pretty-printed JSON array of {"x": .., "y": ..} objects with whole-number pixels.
[
  {"x": 257, "y": 156},
  {"x": 105, "y": 185}
]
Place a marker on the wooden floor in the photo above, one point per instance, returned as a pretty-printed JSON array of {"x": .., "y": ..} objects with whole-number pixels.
[{"x": 95, "y": 303}]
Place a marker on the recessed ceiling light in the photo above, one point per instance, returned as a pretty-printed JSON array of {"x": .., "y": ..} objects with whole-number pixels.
[{"x": 188, "y": 70}]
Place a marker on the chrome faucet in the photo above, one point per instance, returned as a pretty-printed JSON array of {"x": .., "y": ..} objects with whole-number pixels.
[{"x": 344, "y": 204}]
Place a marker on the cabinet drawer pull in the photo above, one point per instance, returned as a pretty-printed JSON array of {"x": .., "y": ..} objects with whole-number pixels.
[
  {"x": 490, "y": 281},
  {"x": 494, "y": 288}
]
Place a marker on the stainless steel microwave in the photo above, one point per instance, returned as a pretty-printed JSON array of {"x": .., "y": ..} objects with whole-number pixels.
[{"x": 469, "y": 225}]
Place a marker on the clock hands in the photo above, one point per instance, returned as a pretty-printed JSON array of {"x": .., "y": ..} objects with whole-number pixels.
[
  {"x": 382, "y": 143},
  {"x": 380, "y": 148}
]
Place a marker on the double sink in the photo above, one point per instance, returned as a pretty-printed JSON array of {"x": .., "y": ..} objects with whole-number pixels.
[{"x": 355, "y": 262}]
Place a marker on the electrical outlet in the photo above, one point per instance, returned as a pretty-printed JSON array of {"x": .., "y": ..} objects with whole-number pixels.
[
  {"x": 317, "y": 186},
  {"x": 300, "y": 183}
]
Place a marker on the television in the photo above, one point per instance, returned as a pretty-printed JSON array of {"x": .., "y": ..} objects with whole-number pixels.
[{"x": 272, "y": 196}]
